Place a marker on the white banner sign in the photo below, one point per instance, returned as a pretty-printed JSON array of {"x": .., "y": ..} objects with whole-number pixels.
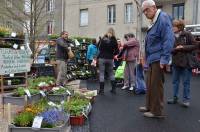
[{"x": 14, "y": 61}]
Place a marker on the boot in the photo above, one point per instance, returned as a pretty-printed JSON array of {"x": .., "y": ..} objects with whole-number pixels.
[
  {"x": 113, "y": 90},
  {"x": 101, "y": 90}
]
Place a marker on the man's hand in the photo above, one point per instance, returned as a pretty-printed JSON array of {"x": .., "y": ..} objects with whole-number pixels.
[
  {"x": 69, "y": 48},
  {"x": 162, "y": 66},
  {"x": 179, "y": 47},
  {"x": 115, "y": 57}
]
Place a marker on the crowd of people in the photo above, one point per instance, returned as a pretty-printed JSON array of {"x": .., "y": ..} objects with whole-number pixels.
[{"x": 165, "y": 41}]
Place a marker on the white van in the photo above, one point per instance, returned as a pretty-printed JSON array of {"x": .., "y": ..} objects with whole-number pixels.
[{"x": 194, "y": 29}]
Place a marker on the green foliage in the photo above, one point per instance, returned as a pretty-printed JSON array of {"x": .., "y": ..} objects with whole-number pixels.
[
  {"x": 4, "y": 32},
  {"x": 53, "y": 36},
  {"x": 60, "y": 90},
  {"x": 80, "y": 39},
  {"x": 33, "y": 83},
  {"x": 24, "y": 119},
  {"x": 20, "y": 91}
]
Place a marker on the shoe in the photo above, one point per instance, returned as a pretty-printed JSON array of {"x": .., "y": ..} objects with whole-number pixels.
[
  {"x": 151, "y": 115},
  {"x": 173, "y": 101},
  {"x": 101, "y": 92},
  {"x": 124, "y": 87},
  {"x": 131, "y": 88},
  {"x": 186, "y": 104},
  {"x": 143, "y": 109}
]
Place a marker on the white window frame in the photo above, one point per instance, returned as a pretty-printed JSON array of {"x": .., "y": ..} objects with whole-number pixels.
[
  {"x": 111, "y": 17},
  {"x": 50, "y": 27},
  {"x": 128, "y": 13},
  {"x": 178, "y": 7},
  {"x": 84, "y": 17},
  {"x": 50, "y": 5}
]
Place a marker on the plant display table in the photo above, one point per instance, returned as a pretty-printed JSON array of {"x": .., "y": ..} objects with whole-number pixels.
[
  {"x": 65, "y": 128},
  {"x": 21, "y": 101}
]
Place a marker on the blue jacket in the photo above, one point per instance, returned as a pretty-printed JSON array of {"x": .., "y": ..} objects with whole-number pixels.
[
  {"x": 91, "y": 52},
  {"x": 159, "y": 40}
]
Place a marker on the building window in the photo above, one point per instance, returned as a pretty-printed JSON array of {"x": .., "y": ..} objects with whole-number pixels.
[
  {"x": 178, "y": 11},
  {"x": 50, "y": 26},
  {"x": 50, "y": 5},
  {"x": 83, "y": 17},
  {"x": 9, "y": 3},
  {"x": 27, "y": 6},
  {"x": 111, "y": 14},
  {"x": 129, "y": 13}
]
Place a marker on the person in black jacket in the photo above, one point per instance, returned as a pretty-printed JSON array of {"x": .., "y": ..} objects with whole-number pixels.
[
  {"x": 182, "y": 54},
  {"x": 62, "y": 47},
  {"x": 108, "y": 48}
]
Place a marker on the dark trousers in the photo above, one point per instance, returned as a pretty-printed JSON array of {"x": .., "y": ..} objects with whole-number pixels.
[
  {"x": 155, "y": 92},
  {"x": 106, "y": 65},
  {"x": 185, "y": 74}
]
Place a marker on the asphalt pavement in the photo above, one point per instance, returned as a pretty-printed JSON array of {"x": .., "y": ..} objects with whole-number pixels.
[{"x": 119, "y": 113}]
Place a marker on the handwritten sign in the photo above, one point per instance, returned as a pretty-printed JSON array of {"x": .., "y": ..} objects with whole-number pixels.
[{"x": 14, "y": 61}]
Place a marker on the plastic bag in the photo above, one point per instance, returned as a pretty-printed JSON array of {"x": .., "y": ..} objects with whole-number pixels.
[{"x": 119, "y": 73}]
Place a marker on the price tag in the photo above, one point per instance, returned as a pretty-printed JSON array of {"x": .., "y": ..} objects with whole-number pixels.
[
  {"x": 15, "y": 46},
  {"x": 9, "y": 82},
  {"x": 13, "y": 34},
  {"x": 22, "y": 47},
  {"x": 68, "y": 92},
  {"x": 42, "y": 93},
  {"x": 27, "y": 92},
  {"x": 37, "y": 122},
  {"x": 84, "y": 115},
  {"x": 11, "y": 75},
  {"x": 51, "y": 103}
]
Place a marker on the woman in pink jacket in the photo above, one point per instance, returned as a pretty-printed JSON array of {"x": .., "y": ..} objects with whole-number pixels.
[{"x": 130, "y": 54}]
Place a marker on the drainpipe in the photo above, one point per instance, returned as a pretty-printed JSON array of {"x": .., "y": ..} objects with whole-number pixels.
[
  {"x": 195, "y": 11},
  {"x": 62, "y": 16}
]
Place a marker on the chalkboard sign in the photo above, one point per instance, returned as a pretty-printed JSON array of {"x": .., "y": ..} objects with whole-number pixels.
[{"x": 14, "y": 61}]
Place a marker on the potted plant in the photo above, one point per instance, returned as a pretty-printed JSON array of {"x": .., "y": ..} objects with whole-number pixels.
[
  {"x": 77, "y": 108},
  {"x": 19, "y": 98},
  {"x": 58, "y": 94}
]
